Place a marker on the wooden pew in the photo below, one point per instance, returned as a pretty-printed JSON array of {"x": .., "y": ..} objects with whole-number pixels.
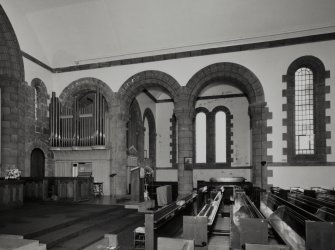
[
  {"x": 300, "y": 229},
  {"x": 320, "y": 207},
  {"x": 174, "y": 244},
  {"x": 154, "y": 221},
  {"x": 198, "y": 227},
  {"x": 248, "y": 225}
]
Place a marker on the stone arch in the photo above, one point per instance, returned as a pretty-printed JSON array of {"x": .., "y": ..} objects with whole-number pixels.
[
  {"x": 152, "y": 133},
  {"x": 11, "y": 64},
  {"x": 40, "y": 85},
  {"x": 233, "y": 73},
  {"x": 312, "y": 62},
  {"x": 201, "y": 110},
  {"x": 146, "y": 79},
  {"x": 241, "y": 77},
  {"x": 82, "y": 85}
]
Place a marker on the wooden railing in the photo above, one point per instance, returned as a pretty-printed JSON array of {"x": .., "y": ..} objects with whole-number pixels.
[
  {"x": 58, "y": 188},
  {"x": 11, "y": 193}
]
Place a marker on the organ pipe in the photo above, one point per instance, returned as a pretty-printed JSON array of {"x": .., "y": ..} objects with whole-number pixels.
[{"x": 79, "y": 125}]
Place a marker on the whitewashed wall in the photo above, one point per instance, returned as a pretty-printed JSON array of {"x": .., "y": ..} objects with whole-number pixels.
[{"x": 268, "y": 65}]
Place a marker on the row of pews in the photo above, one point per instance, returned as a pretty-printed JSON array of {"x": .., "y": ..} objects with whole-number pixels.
[
  {"x": 294, "y": 219},
  {"x": 301, "y": 220}
]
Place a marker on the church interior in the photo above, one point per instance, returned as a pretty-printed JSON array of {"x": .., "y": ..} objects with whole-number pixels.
[{"x": 167, "y": 125}]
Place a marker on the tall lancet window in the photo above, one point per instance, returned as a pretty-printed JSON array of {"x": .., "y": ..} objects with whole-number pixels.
[
  {"x": 220, "y": 137},
  {"x": 146, "y": 138},
  {"x": 36, "y": 103},
  {"x": 304, "y": 112},
  {"x": 200, "y": 132}
]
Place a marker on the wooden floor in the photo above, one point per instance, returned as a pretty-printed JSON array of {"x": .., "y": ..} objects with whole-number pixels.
[
  {"x": 70, "y": 226},
  {"x": 220, "y": 242}
]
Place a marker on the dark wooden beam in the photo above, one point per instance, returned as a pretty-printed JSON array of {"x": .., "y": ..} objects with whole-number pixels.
[
  {"x": 145, "y": 91},
  {"x": 220, "y": 96}
]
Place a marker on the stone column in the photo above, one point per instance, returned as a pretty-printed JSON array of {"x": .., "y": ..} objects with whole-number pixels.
[
  {"x": 117, "y": 136},
  {"x": 185, "y": 149},
  {"x": 258, "y": 115}
]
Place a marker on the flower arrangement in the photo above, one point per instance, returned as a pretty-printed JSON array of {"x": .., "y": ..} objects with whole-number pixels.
[{"x": 13, "y": 174}]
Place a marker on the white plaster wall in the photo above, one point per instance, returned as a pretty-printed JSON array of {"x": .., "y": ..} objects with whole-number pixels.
[
  {"x": 305, "y": 177},
  {"x": 267, "y": 64},
  {"x": 167, "y": 175},
  {"x": 145, "y": 102},
  {"x": 33, "y": 70},
  {"x": 164, "y": 113},
  {"x": 205, "y": 174},
  {"x": 241, "y": 126}
]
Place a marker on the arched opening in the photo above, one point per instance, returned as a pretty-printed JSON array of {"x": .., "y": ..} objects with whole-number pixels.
[
  {"x": 150, "y": 136},
  {"x": 237, "y": 88},
  {"x": 153, "y": 93},
  {"x": 37, "y": 163},
  {"x": 135, "y": 135}
]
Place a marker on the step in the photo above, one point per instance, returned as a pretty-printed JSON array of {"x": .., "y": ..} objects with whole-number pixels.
[
  {"x": 95, "y": 234},
  {"x": 18, "y": 244},
  {"x": 108, "y": 242},
  {"x": 60, "y": 235},
  {"x": 70, "y": 222}
]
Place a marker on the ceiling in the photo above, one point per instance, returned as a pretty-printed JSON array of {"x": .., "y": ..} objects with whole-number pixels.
[{"x": 67, "y": 32}]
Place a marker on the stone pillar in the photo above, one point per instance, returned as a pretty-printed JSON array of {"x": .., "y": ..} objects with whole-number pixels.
[
  {"x": 117, "y": 136},
  {"x": 13, "y": 125},
  {"x": 185, "y": 149},
  {"x": 258, "y": 115}
]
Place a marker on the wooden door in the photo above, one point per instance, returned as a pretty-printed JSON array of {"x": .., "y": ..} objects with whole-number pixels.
[{"x": 37, "y": 162}]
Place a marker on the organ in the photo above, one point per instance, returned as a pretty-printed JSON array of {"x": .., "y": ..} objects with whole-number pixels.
[{"x": 82, "y": 124}]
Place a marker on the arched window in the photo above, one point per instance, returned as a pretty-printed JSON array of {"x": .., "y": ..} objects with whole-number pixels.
[
  {"x": 220, "y": 137},
  {"x": 146, "y": 138},
  {"x": 40, "y": 97},
  {"x": 35, "y": 103},
  {"x": 306, "y": 111},
  {"x": 200, "y": 139}
]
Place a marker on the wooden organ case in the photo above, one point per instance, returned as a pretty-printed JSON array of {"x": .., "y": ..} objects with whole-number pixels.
[{"x": 78, "y": 134}]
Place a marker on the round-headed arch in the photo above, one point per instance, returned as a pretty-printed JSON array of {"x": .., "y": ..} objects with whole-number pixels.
[
  {"x": 147, "y": 79},
  {"x": 39, "y": 85},
  {"x": 83, "y": 85},
  {"x": 232, "y": 73}
]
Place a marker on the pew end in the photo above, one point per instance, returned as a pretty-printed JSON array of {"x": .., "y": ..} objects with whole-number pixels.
[
  {"x": 320, "y": 235},
  {"x": 164, "y": 243}
]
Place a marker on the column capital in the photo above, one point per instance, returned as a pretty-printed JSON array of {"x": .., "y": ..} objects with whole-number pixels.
[
  {"x": 184, "y": 114},
  {"x": 257, "y": 105}
]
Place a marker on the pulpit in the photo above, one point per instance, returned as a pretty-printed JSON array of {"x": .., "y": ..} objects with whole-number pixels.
[{"x": 136, "y": 183}]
